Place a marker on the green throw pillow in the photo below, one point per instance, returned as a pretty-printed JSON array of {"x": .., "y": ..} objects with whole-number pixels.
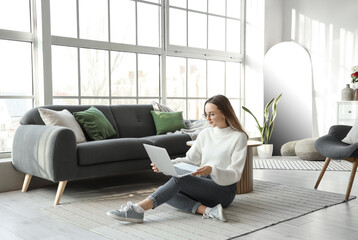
[
  {"x": 168, "y": 121},
  {"x": 95, "y": 124}
]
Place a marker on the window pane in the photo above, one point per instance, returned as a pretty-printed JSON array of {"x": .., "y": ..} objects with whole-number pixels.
[
  {"x": 95, "y": 101},
  {"x": 217, "y": 7},
  {"x": 177, "y": 105},
  {"x": 154, "y": 1},
  {"x": 16, "y": 69},
  {"x": 148, "y": 75},
  {"x": 199, "y": 5},
  {"x": 196, "y": 78},
  {"x": 234, "y": 8},
  {"x": 65, "y": 101},
  {"x": 233, "y": 80},
  {"x": 148, "y": 25},
  {"x": 64, "y": 71},
  {"x": 15, "y": 15},
  {"x": 93, "y": 17},
  {"x": 236, "y": 106},
  {"x": 147, "y": 101},
  {"x": 123, "y": 101},
  {"x": 176, "y": 77},
  {"x": 197, "y": 30},
  {"x": 11, "y": 111},
  {"x": 177, "y": 27},
  {"x": 216, "y": 33},
  {"x": 123, "y": 27},
  {"x": 94, "y": 72},
  {"x": 233, "y": 35},
  {"x": 195, "y": 109},
  {"x": 178, "y": 3},
  {"x": 216, "y": 78},
  {"x": 123, "y": 70},
  {"x": 63, "y": 18}
]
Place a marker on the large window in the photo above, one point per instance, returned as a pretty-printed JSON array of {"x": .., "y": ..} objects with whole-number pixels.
[
  {"x": 204, "y": 53},
  {"x": 106, "y": 52},
  {"x": 16, "y": 81},
  {"x": 178, "y": 52}
]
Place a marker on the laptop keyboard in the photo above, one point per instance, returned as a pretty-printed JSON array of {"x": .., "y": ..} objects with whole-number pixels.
[{"x": 181, "y": 171}]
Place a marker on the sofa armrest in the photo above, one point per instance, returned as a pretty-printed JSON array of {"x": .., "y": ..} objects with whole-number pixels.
[{"x": 48, "y": 152}]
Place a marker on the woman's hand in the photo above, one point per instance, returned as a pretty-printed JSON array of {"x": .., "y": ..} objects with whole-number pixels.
[
  {"x": 206, "y": 170},
  {"x": 155, "y": 169}
]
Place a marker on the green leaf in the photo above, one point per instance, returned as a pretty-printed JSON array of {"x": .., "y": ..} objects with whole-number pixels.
[{"x": 268, "y": 122}]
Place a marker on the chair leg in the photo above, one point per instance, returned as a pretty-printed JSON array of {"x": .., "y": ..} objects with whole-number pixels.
[
  {"x": 322, "y": 172},
  {"x": 26, "y": 183},
  {"x": 60, "y": 189},
  {"x": 351, "y": 179}
]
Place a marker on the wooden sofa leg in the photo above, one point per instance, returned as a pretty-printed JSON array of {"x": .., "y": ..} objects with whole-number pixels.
[
  {"x": 351, "y": 179},
  {"x": 60, "y": 189},
  {"x": 322, "y": 172},
  {"x": 26, "y": 183}
]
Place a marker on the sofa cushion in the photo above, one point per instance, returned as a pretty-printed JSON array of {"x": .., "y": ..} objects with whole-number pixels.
[
  {"x": 163, "y": 108},
  {"x": 111, "y": 150},
  {"x": 168, "y": 121},
  {"x": 133, "y": 120},
  {"x": 95, "y": 124},
  {"x": 64, "y": 119},
  {"x": 174, "y": 143}
]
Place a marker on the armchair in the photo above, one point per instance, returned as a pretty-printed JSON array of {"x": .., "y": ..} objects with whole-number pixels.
[{"x": 332, "y": 147}]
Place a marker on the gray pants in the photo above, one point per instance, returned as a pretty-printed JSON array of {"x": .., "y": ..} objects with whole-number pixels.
[{"x": 189, "y": 192}]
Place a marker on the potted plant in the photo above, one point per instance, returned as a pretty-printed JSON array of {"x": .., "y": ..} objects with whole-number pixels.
[{"x": 265, "y": 150}]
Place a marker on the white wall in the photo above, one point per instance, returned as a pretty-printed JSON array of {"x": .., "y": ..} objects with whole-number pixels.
[
  {"x": 254, "y": 58},
  {"x": 328, "y": 29}
]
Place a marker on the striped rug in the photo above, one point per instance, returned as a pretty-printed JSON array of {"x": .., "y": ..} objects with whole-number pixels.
[
  {"x": 269, "y": 204},
  {"x": 294, "y": 163}
]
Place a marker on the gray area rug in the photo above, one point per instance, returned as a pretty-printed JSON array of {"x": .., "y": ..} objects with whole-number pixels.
[
  {"x": 267, "y": 205},
  {"x": 294, "y": 163}
]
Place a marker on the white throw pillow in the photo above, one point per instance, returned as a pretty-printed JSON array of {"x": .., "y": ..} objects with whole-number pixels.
[
  {"x": 160, "y": 107},
  {"x": 64, "y": 119},
  {"x": 352, "y": 136}
]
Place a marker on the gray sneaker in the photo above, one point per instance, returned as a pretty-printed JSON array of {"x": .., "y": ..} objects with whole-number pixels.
[
  {"x": 216, "y": 213},
  {"x": 126, "y": 213}
]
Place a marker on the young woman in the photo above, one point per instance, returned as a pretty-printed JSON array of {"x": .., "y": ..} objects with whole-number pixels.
[{"x": 220, "y": 151}]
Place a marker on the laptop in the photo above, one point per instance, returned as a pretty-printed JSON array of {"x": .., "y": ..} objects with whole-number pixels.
[{"x": 160, "y": 157}]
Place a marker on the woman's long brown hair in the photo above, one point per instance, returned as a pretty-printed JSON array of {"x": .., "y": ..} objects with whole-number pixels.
[{"x": 224, "y": 105}]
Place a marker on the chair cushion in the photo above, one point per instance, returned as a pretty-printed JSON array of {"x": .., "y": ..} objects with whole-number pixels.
[
  {"x": 352, "y": 136},
  {"x": 95, "y": 124},
  {"x": 64, "y": 119},
  {"x": 306, "y": 150},
  {"x": 111, "y": 150},
  {"x": 168, "y": 121}
]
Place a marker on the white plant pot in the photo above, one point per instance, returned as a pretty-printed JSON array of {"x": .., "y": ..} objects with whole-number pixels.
[{"x": 265, "y": 150}]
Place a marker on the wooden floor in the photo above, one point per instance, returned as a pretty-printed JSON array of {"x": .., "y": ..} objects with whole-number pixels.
[{"x": 21, "y": 216}]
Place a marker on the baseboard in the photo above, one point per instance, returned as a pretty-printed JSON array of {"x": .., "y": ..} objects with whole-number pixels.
[{"x": 11, "y": 180}]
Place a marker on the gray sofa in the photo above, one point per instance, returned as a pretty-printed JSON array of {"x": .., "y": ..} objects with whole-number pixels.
[{"x": 51, "y": 152}]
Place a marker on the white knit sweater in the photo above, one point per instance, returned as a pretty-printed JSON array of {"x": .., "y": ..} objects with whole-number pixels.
[{"x": 224, "y": 149}]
